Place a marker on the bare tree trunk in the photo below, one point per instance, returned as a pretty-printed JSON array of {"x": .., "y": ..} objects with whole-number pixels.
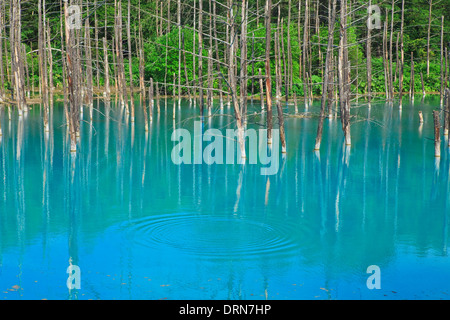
[
  {"x": 278, "y": 89},
  {"x": 385, "y": 62},
  {"x": 151, "y": 101},
  {"x": 220, "y": 84},
  {"x": 268, "y": 17},
  {"x": 107, "y": 92},
  {"x": 305, "y": 53},
  {"x": 343, "y": 70},
  {"x": 233, "y": 83},
  {"x": 437, "y": 135},
  {"x": 411, "y": 86},
  {"x": 402, "y": 57},
  {"x": 243, "y": 71},
  {"x": 130, "y": 62},
  {"x": 97, "y": 56},
  {"x": 428, "y": 38},
  {"x": 123, "y": 97},
  {"x": 261, "y": 88},
  {"x": 73, "y": 78},
  {"x": 369, "y": 62},
  {"x": 194, "y": 74},
  {"x": 141, "y": 56},
  {"x": 179, "y": 50},
  {"x": 442, "y": 60},
  {"x": 200, "y": 55},
  {"x": 64, "y": 77},
  {"x": 329, "y": 57},
  {"x": 289, "y": 50},
  {"x": 2, "y": 71},
  {"x": 42, "y": 64},
  {"x": 391, "y": 75},
  {"x": 446, "y": 108},
  {"x": 185, "y": 66},
  {"x": 423, "y": 86},
  {"x": 209, "y": 100},
  {"x": 89, "y": 74}
]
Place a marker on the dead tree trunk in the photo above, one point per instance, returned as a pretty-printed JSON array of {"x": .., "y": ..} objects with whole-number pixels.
[
  {"x": 391, "y": 75},
  {"x": 343, "y": 71},
  {"x": 437, "y": 135},
  {"x": 243, "y": 71},
  {"x": 130, "y": 62},
  {"x": 278, "y": 90},
  {"x": 151, "y": 101},
  {"x": 261, "y": 88},
  {"x": 329, "y": 57},
  {"x": 428, "y": 38},
  {"x": 233, "y": 82},
  {"x": 446, "y": 108},
  {"x": 442, "y": 60},
  {"x": 200, "y": 55},
  {"x": 2, "y": 71},
  {"x": 141, "y": 56},
  {"x": 217, "y": 55},
  {"x": 402, "y": 57},
  {"x": 185, "y": 66},
  {"x": 107, "y": 90},
  {"x": 268, "y": 18},
  {"x": 305, "y": 53},
  {"x": 89, "y": 98},
  {"x": 411, "y": 86},
  {"x": 17, "y": 65},
  {"x": 209, "y": 99},
  {"x": 122, "y": 87},
  {"x": 369, "y": 62},
  {"x": 179, "y": 50},
  {"x": 73, "y": 78},
  {"x": 50, "y": 64},
  {"x": 42, "y": 65}
]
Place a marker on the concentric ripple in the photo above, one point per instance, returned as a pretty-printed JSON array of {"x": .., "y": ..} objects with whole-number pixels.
[{"x": 212, "y": 236}]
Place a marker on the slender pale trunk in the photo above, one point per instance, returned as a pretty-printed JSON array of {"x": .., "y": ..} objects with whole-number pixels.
[
  {"x": 268, "y": 17},
  {"x": 200, "y": 54},
  {"x": 326, "y": 81},
  {"x": 369, "y": 62},
  {"x": 243, "y": 71},
  {"x": 130, "y": 62},
  {"x": 107, "y": 92},
  {"x": 402, "y": 56},
  {"x": 428, "y": 38},
  {"x": 278, "y": 90}
]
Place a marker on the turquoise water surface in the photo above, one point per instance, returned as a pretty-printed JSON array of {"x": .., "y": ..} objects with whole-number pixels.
[{"x": 140, "y": 227}]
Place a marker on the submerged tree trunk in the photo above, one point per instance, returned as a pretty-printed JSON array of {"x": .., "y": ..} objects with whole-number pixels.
[
  {"x": 200, "y": 55},
  {"x": 130, "y": 62},
  {"x": 42, "y": 65},
  {"x": 121, "y": 83},
  {"x": 278, "y": 90},
  {"x": 17, "y": 66},
  {"x": 233, "y": 83},
  {"x": 268, "y": 17},
  {"x": 343, "y": 71},
  {"x": 428, "y": 38},
  {"x": 89, "y": 74},
  {"x": 369, "y": 62},
  {"x": 243, "y": 71},
  {"x": 107, "y": 90},
  {"x": 73, "y": 78},
  {"x": 402, "y": 57},
  {"x": 329, "y": 57}
]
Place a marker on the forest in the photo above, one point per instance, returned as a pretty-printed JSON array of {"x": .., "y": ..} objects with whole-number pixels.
[{"x": 233, "y": 50}]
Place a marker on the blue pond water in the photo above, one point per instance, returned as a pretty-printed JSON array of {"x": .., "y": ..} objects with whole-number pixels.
[{"x": 141, "y": 227}]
